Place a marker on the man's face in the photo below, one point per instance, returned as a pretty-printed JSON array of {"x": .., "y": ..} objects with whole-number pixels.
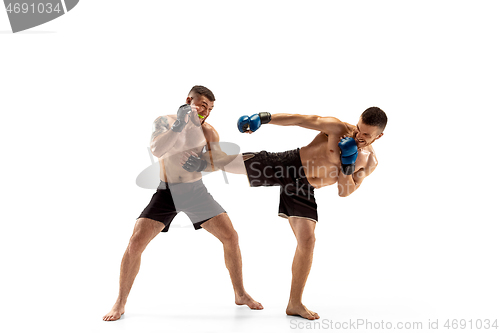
[
  {"x": 365, "y": 135},
  {"x": 204, "y": 105}
]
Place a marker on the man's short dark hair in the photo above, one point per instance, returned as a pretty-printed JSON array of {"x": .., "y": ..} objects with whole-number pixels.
[
  {"x": 374, "y": 116},
  {"x": 203, "y": 91}
]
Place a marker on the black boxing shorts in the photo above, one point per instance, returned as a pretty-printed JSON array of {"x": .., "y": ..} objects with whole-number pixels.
[
  {"x": 190, "y": 198},
  {"x": 285, "y": 170}
]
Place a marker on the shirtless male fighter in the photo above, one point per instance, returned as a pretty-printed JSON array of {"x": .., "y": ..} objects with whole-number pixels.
[
  {"x": 341, "y": 153},
  {"x": 181, "y": 189}
]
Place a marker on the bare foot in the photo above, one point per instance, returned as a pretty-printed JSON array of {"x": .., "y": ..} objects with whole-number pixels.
[
  {"x": 302, "y": 311},
  {"x": 245, "y": 299},
  {"x": 115, "y": 313}
]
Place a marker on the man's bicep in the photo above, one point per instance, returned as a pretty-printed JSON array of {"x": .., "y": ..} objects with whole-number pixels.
[
  {"x": 359, "y": 176},
  {"x": 214, "y": 150},
  {"x": 329, "y": 125},
  {"x": 160, "y": 126},
  {"x": 212, "y": 138},
  {"x": 214, "y": 146},
  {"x": 362, "y": 173}
]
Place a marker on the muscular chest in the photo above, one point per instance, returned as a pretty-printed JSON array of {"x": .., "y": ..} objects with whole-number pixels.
[
  {"x": 324, "y": 157},
  {"x": 190, "y": 140},
  {"x": 325, "y": 150}
]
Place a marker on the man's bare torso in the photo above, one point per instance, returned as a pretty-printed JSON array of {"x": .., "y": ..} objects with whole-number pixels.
[
  {"x": 321, "y": 158},
  {"x": 192, "y": 139}
]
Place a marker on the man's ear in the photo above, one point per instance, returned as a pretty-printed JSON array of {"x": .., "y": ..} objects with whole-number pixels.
[
  {"x": 188, "y": 100},
  {"x": 379, "y": 136}
]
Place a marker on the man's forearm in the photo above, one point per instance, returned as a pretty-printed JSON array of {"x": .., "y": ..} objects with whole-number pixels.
[
  {"x": 162, "y": 143},
  {"x": 214, "y": 159},
  {"x": 346, "y": 185},
  {"x": 218, "y": 160}
]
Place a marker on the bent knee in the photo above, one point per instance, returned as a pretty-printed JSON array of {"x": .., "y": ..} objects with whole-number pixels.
[
  {"x": 137, "y": 244},
  {"x": 306, "y": 241},
  {"x": 230, "y": 238},
  {"x": 135, "y": 248}
]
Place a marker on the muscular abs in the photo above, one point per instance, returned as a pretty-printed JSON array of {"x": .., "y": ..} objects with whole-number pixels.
[{"x": 172, "y": 172}]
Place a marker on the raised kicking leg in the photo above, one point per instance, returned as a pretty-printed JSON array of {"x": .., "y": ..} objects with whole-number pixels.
[
  {"x": 144, "y": 231},
  {"x": 222, "y": 228},
  {"x": 304, "y": 232}
]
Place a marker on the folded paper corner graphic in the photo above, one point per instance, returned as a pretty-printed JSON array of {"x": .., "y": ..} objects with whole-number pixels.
[
  {"x": 70, "y": 4},
  {"x": 26, "y": 14}
]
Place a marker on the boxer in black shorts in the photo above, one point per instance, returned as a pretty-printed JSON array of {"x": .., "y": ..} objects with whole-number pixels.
[
  {"x": 182, "y": 190},
  {"x": 190, "y": 198},
  {"x": 285, "y": 170},
  {"x": 341, "y": 154}
]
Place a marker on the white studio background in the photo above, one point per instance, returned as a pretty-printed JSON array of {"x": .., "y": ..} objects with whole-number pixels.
[{"x": 417, "y": 241}]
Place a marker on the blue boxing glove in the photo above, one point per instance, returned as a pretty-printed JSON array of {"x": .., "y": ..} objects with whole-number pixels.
[
  {"x": 243, "y": 124},
  {"x": 348, "y": 155},
  {"x": 253, "y": 122}
]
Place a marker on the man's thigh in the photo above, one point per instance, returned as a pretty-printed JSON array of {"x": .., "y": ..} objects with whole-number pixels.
[
  {"x": 303, "y": 228},
  {"x": 220, "y": 226},
  {"x": 145, "y": 230}
]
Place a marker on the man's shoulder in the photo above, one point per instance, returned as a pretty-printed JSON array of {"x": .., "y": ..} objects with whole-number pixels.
[
  {"x": 210, "y": 132},
  {"x": 207, "y": 126},
  {"x": 371, "y": 159},
  {"x": 347, "y": 128},
  {"x": 338, "y": 127}
]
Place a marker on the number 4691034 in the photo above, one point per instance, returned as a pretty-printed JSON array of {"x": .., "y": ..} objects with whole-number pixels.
[{"x": 31, "y": 8}]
